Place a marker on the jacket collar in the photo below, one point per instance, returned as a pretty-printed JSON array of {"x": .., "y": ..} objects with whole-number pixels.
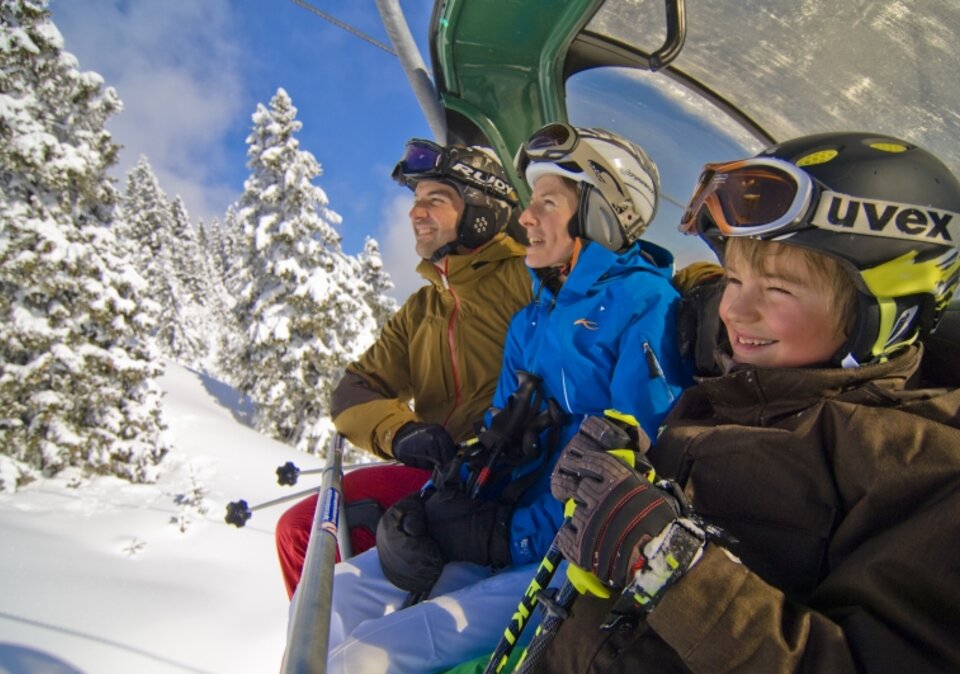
[
  {"x": 501, "y": 247},
  {"x": 595, "y": 263},
  {"x": 755, "y": 395}
]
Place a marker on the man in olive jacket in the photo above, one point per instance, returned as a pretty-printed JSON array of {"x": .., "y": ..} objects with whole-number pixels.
[{"x": 441, "y": 351}]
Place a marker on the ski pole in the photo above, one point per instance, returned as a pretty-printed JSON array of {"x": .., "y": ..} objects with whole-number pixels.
[
  {"x": 542, "y": 578},
  {"x": 556, "y": 610},
  {"x": 520, "y": 406},
  {"x": 288, "y": 473},
  {"x": 238, "y": 512},
  {"x": 308, "y": 643}
]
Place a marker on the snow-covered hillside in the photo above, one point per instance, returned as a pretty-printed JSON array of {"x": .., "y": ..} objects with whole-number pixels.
[{"x": 105, "y": 577}]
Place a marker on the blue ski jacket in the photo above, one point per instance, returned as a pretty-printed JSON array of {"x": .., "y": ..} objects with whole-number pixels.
[{"x": 608, "y": 339}]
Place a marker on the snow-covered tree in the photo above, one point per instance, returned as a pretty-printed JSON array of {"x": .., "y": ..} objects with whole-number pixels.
[
  {"x": 161, "y": 242},
  {"x": 235, "y": 253},
  {"x": 210, "y": 237},
  {"x": 377, "y": 282},
  {"x": 145, "y": 225},
  {"x": 187, "y": 261},
  {"x": 77, "y": 376},
  {"x": 303, "y": 306}
]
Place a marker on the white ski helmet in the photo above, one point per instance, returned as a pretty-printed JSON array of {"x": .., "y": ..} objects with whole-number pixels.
[{"x": 619, "y": 183}]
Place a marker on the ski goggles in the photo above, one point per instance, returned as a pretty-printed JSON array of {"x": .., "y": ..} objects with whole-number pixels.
[
  {"x": 424, "y": 159},
  {"x": 749, "y": 197},
  {"x": 559, "y": 143}
]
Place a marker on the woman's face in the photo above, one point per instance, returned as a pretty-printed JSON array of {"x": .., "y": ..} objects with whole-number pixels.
[{"x": 552, "y": 205}]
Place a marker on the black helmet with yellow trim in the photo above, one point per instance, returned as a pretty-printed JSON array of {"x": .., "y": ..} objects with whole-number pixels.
[{"x": 887, "y": 210}]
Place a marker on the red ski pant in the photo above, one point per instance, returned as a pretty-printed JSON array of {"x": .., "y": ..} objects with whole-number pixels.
[{"x": 385, "y": 484}]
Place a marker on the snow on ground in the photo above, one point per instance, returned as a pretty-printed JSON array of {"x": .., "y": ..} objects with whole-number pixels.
[{"x": 96, "y": 576}]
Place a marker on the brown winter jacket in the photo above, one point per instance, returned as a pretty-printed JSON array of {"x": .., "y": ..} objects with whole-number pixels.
[
  {"x": 843, "y": 488},
  {"x": 442, "y": 350}
]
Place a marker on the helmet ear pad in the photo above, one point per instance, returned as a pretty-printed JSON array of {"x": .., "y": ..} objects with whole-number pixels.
[
  {"x": 483, "y": 217},
  {"x": 914, "y": 315},
  {"x": 596, "y": 221},
  {"x": 863, "y": 335}
]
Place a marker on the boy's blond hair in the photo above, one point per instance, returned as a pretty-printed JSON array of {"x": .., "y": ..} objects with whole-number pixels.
[{"x": 822, "y": 271}]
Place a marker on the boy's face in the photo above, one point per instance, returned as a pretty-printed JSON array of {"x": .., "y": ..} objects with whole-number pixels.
[{"x": 780, "y": 316}]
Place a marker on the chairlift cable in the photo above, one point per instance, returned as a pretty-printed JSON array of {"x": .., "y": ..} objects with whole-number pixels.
[
  {"x": 670, "y": 200},
  {"x": 345, "y": 26}
]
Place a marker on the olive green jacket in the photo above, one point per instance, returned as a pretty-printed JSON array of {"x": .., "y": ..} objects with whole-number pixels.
[{"x": 442, "y": 350}]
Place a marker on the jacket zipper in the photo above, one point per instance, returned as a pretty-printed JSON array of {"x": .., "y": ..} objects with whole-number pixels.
[
  {"x": 656, "y": 371},
  {"x": 451, "y": 341}
]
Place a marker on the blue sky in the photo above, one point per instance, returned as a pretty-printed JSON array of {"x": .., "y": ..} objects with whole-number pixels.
[{"x": 190, "y": 74}]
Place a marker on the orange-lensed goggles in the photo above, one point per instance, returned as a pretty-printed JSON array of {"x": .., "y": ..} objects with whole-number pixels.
[{"x": 749, "y": 197}]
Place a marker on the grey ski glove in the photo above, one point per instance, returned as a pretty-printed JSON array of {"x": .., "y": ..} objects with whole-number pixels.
[{"x": 625, "y": 529}]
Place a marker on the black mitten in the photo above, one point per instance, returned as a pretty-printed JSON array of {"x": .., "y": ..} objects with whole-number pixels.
[
  {"x": 409, "y": 557},
  {"x": 469, "y": 530}
]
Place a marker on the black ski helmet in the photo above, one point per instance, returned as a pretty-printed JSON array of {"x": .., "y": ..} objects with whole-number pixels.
[
  {"x": 887, "y": 210},
  {"x": 478, "y": 177}
]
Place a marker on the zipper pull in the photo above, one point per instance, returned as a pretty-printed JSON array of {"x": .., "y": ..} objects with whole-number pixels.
[{"x": 443, "y": 274}]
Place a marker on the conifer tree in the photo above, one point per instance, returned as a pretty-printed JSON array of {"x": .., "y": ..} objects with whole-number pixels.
[
  {"x": 161, "y": 242},
  {"x": 302, "y": 307},
  {"x": 377, "y": 282},
  {"x": 187, "y": 261},
  {"x": 235, "y": 253},
  {"x": 77, "y": 376}
]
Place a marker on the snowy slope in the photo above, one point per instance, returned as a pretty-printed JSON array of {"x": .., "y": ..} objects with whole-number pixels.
[{"x": 97, "y": 577}]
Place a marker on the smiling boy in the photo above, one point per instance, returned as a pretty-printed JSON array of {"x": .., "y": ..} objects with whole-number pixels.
[
  {"x": 826, "y": 449},
  {"x": 784, "y": 306}
]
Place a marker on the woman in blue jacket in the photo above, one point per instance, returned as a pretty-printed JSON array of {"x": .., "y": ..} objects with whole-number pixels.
[{"x": 600, "y": 334}]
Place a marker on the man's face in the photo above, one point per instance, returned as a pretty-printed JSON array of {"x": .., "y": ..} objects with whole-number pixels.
[
  {"x": 779, "y": 317},
  {"x": 436, "y": 211}
]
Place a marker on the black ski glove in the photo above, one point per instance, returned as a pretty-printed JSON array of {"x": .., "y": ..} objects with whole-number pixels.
[
  {"x": 469, "y": 530},
  {"x": 410, "y": 559},
  {"x": 423, "y": 445},
  {"x": 619, "y": 511}
]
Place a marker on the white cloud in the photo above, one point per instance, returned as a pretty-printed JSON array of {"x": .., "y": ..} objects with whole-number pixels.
[
  {"x": 397, "y": 247},
  {"x": 180, "y": 76}
]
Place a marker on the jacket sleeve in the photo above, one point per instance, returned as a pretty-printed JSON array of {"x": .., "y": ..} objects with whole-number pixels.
[
  {"x": 721, "y": 617},
  {"x": 372, "y": 400},
  {"x": 890, "y": 600}
]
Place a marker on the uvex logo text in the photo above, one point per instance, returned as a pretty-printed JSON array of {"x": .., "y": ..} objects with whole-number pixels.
[{"x": 844, "y": 213}]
